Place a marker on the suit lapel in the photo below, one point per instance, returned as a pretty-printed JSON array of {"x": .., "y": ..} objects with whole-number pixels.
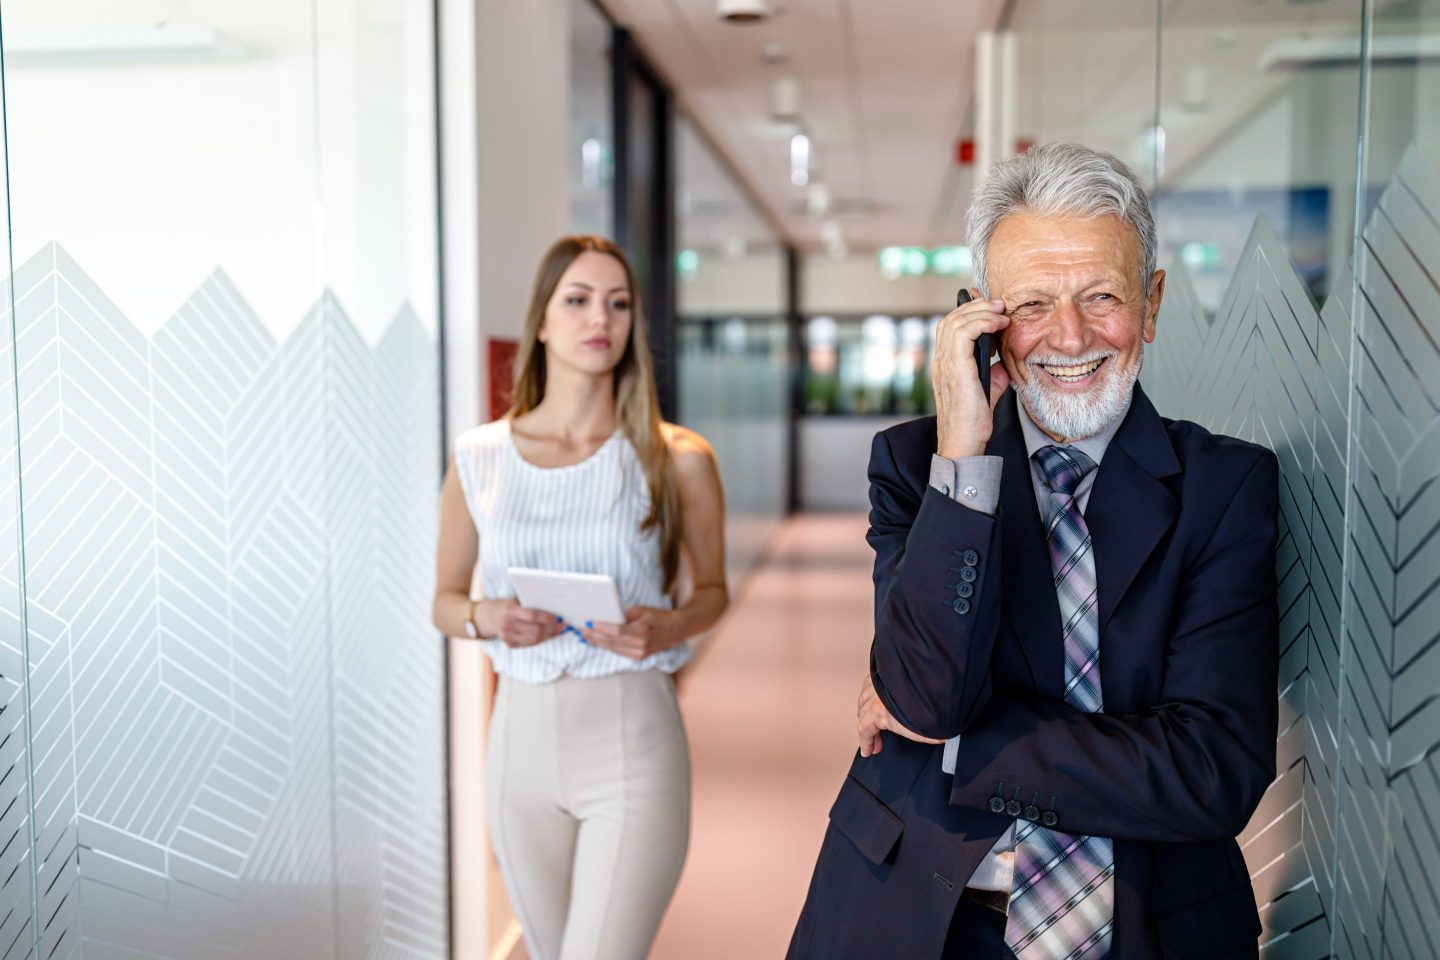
[
  {"x": 1128, "y": 513},
  {"x": 1027, "y": 594},
  {"x": 1130, "y": 509}
]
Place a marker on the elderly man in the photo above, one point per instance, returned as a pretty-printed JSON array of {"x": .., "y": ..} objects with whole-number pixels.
[{"x": 1071, "y": 707}]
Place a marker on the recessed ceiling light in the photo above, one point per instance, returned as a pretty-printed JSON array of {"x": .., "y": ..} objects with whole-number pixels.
[
  {"x": 742, "y": 11},
  {"x": 799, "y": 159},
  {"x": 785, "y": 99}
]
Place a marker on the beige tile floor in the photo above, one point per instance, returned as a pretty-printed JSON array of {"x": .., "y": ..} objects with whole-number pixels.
[{"x": 770, "y": 712}]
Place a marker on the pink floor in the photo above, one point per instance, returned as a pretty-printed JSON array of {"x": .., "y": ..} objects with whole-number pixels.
[{"x": 771, "y": 716}]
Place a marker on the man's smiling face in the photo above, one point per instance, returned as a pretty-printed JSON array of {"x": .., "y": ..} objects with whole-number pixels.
[{"x": 1079, "y": 316}]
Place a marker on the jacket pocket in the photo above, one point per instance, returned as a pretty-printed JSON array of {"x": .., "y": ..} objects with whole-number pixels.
[{"x": 866, "y": 821}]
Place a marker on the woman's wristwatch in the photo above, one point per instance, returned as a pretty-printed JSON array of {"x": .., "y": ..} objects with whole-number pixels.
[{"x": 471, "y": 629}]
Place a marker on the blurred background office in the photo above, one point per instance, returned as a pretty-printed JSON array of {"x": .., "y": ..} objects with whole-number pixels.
[{"x": 264, "y": 261}]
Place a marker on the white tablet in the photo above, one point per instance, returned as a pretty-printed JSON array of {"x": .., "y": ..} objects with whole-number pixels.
[{"x": 578, "y": 597}]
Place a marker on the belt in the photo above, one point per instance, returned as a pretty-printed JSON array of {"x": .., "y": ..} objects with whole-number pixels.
[{"x": 996, "y": 900}]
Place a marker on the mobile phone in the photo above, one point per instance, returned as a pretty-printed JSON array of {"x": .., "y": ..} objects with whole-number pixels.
[{"x": 982, "y": 348}]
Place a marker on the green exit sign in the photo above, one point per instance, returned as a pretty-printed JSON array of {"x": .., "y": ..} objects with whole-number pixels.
[
  {"x": 950, "y": 261},
  {"x": 898, "y": 262}
]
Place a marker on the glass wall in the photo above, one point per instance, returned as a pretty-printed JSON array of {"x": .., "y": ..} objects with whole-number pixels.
[
  {"x": 1295, "y": 152},
  {"x": 226, "y": 698},
  {"x": 1086, "y": 72},
  {"x": 733, "y": 342},
  {"x": 869, "y": 365},
  {"x": 1387, "y": 849}
]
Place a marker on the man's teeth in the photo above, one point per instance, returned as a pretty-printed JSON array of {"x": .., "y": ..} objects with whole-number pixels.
[{"x": 1076, "y": 372}]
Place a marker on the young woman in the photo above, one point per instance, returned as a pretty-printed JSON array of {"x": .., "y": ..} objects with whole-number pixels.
[{"x": 588, "y": 771}]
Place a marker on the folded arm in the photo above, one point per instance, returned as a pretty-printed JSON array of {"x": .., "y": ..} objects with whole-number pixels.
[{"x": 930, "y": 662}]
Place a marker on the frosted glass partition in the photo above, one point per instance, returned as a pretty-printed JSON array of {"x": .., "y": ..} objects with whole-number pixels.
[
  {"x": 222, "y": 307},
  {"x": 17, "y": 879}
]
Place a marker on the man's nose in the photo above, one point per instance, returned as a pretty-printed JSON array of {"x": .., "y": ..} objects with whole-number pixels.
[{"x": 1068, "y": 332}]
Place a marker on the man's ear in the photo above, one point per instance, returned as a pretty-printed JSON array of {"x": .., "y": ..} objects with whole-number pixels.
[{"x": 1152, "y": 305}]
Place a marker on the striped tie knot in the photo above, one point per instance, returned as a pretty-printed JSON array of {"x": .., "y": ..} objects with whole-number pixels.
[{"x": 1064, "y": 468}]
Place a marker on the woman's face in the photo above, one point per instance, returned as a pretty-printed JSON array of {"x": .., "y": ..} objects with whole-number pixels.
[{"x": 588, "y": 319}]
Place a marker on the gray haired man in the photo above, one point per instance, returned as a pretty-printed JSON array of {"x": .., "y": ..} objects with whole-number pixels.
[{"x": 1071, "y": 707}]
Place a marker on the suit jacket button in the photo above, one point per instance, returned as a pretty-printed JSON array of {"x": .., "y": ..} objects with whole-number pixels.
[
  {"x": 963, "y": 589},
  {"x": 1032, "y": 813},
  {"x": 970, "y": 557},
  {"x": 962, "y": 606},
  {"x": 997, "y": 804},
  {"x": 967, "y": 574},
  {"x": 1013, "y": 808},
  {"x": 1049, "y": 818}
]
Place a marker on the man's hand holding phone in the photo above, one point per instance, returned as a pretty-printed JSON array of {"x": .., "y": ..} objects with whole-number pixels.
[{"x": 962, "y": 410}]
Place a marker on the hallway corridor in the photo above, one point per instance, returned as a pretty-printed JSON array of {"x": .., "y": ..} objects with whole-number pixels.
[{"x": 770, "y": 713}]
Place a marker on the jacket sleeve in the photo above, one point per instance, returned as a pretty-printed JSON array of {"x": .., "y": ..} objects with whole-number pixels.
[
  {"x": 1194, "y": 766},
  {"x": 930, "y": 661}
]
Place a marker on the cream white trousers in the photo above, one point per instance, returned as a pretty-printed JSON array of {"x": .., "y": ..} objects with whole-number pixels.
[{"x": 588, "y": 799}]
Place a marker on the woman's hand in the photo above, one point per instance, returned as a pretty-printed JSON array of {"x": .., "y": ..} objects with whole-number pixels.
[
  {"x": 872, "y": 718},
  {"x": 646, "y": 631},
  {"x": 514, "y": 625}
]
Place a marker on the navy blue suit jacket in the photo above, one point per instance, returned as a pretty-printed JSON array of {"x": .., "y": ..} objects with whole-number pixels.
[{"x": 1184, "y": 528}]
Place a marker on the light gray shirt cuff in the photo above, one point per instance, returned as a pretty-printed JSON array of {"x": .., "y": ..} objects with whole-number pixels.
[{"x": 971, "y": 481}]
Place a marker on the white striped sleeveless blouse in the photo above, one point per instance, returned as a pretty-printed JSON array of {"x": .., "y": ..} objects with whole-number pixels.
[{"x": 582, "y": 518}]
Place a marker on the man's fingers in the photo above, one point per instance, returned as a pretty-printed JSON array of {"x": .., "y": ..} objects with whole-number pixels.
[
  {"x": 867, "y": 690},
  {"x": 866, "y": 732},
  {"x": 977, "y": 314},
  {"x": 875, "y": 718}
]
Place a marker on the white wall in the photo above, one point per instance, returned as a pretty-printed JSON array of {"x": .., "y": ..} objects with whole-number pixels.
[
  {"x": 505, "y": 107},
  {"x": 523, "y": 84},
  {"x": 834, "y": 455},
  {"x": 505, "y": 72},
  {"x": 752, "y": 285},
  {"x": 855, "y": 285}
]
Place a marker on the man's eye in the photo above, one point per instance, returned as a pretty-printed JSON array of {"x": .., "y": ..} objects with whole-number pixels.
[{"x": 1104, "y": 296}]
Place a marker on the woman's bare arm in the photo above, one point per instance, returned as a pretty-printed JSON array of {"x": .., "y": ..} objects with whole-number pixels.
[
  {"x": 649, "y": 630},
  {"x": 455, "y": 554}
]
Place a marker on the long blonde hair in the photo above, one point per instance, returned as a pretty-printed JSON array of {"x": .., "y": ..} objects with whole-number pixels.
[{"x": 637, "y": 405}]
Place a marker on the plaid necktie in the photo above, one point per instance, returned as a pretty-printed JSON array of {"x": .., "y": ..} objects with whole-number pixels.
[{"x": 1062, "y": 906}]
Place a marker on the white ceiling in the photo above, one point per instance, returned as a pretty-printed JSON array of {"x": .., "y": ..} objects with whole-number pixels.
[{"x": 887, "y": 90}]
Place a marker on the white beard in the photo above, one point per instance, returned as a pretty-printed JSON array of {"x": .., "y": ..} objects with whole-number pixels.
[{"x": 1077, "y": 416}]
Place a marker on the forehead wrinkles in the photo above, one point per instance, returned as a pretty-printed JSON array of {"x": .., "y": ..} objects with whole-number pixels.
[
  {"x": 1027, "y": 247},
  {"x": 1060, "y": 277}
]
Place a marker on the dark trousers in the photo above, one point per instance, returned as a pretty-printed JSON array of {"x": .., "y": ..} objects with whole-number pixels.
[{"x": 976, "y": 933}]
